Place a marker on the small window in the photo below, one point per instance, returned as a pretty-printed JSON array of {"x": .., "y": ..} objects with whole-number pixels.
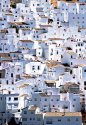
[
  {"x": 38, "y": 67},
  {"x": 59, "y": 119},
  {"x": 25, "y": 112},
  {"x": 15, "y": 98},
  {"x": 38, "y": 119},
  {"x": 71, "y": 63},
  {"x": 30, "y": 118},
  {"x": 35, "y": 99},
  {"x": 45, "y": 99},
  {"x": 24, "y": 119},
  {"x": 74, "y": 99},
  {"x": 68, "y": 119},
  {"x": 76, "y": 119},
  {"x": 85, "y": 70},
  {"x": 81, "y": 44},
  {"x": 7, "y": 81},
  {"x": 84, "y": 82},
  {"x": 31, "y": 112},
  {"x": 33, "y": 68},
  {"x": 51, "y": 99},
  {"x": 9, "y": 98},
  {"x": 11, "y": 74}
]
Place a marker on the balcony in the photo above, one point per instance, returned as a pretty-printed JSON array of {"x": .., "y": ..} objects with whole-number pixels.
[
  {"x": 12, "y": 101},
  {"x": 12, "y": 107}
]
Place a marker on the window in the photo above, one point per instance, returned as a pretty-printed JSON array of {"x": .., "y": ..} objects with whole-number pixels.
[
  {"x": 85, "y": 70},
  {"x": 71, "y": 63},
  {"x": 30, "y": 118},
  {"x": 45, "y": 99},
  {"x": 38, "y": 119},
  {"x": 73, "y": 105},
  {"x": 84, "y": 82},
  {"x": 76, "y": 50},
  {"x": 33, "y": 68},
  {"x": 49, "y": 122},
  {"x": 12, "y": 82},
  {"x": 38, "y": 67},
  {"x": 59, "y": 119},
  {"x": 76, "y": 119},
  {"x": 53, "y": 105},
  {"x": 68, "y": 119},
  {"x": 57, "y": 99},
  {"x": 24, "y": 119},
  {"x": 78, "y": 44},
  {"x": 0, "y": 75},
  {"x": 73, "y": 17},
  {"x": 7, "y": 81},
  {"x": 74, "y": 99},
  {"x": 79, "y": 49},
  {"x": 51, "y": 99},
  {"x": 11, "y": 74},
  {"x": 15, "y": 98},
  {"x": 33, "y": 118},
  {"x": 35, "y": 99},
  {"x": 31, "y": 112},
  {"x": 9, "y": 98},
  {"x": 25, "y": 112},
  {"x": 81, "y": 44},
  {"x": 84, "y": 88}
]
